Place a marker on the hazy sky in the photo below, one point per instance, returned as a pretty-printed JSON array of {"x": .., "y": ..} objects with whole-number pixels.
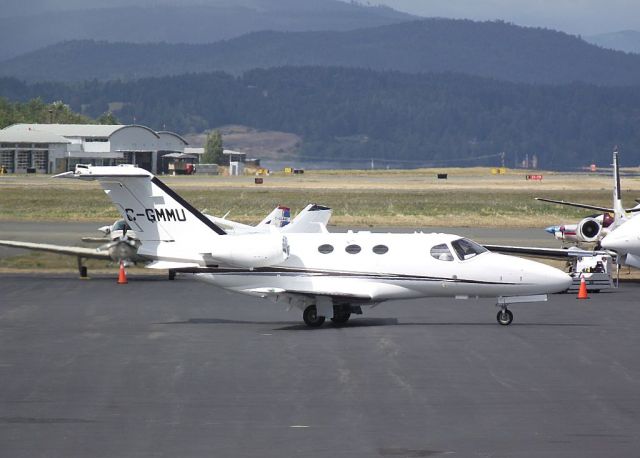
[{"x": 586, "y": 17}]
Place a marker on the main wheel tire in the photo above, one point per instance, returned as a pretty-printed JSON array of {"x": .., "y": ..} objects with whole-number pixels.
[
  {"x": 505, "y": 317},
  {"x": 311, "y": 318},
  {"x": 341, "y": 317}
]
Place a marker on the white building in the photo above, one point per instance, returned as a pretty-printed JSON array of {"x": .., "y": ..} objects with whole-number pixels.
[{"x": 56, "y": 148}]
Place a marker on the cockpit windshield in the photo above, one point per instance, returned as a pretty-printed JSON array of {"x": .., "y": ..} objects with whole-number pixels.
[
  {"x": 120, "y": 225},
  {"x": 467, "y": 249}
]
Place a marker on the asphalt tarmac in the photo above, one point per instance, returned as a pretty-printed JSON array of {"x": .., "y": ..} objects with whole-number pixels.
[{"x": 182, "y": 369}]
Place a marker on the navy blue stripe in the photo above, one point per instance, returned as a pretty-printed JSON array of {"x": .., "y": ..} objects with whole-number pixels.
[
  {"x": 210, "y": 224},
  {"x": 296, "y": 272}
]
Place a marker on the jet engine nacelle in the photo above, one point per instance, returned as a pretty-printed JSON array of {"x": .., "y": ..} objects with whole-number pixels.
[
  {"x": 252, "y": 250},
  {"x": 589, "y": 230}
]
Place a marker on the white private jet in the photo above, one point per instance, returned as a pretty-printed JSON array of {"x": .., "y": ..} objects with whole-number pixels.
[
  {"x": 620, "y": 233},
  {"x": 324, "y": 274},
  {"x": 595, "y": 227}
]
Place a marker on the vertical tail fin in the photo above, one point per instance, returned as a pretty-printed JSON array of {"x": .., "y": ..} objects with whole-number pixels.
[
  {"x": 313, "y": 218},
  {"x": 618, "y": 210},
  {"x": 279, "y": 217},
  {"x": 152, "y": 209}
]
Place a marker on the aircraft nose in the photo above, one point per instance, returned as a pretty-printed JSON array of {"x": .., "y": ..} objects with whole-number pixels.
[
  {"x": 559, "y": 280},
  {"x": 621, "y": 242},
  {"x": 552, "y": 229},
  {"x": 546, "y": 277}
]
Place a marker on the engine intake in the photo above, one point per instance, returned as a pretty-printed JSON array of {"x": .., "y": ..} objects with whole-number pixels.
[{"x": 589, "y": 230}]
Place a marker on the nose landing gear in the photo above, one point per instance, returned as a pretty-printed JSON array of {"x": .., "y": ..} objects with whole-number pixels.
[{"x": 505, "y": 316}]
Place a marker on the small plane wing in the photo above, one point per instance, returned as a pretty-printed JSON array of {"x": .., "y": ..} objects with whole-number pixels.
[
  {"x": 60, "y": 249},
  {"x": 552, "y": 253},
  {"x": 96, "y": 239}
]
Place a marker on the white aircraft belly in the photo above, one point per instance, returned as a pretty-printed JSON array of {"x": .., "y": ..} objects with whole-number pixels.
[{"x": 376, "y": 287}]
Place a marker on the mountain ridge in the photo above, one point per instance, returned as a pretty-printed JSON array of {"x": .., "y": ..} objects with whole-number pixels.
[
  {"x": 492, "y": 49},
  {"x": 186, "y": 24}
]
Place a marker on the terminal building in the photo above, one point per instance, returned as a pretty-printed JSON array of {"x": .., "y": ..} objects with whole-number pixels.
[{"x": 57, "y": 148}]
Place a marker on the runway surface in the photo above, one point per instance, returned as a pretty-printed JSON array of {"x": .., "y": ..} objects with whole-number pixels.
[{"x": 168, "y": 369}]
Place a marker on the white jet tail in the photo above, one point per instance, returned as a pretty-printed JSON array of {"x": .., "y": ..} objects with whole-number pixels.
[
  {"x": 620, "y": 215},
  {"x": 312, "y": 219},
  {"x": 278, "y": 218},
  {"x": 154, "y": 211}
]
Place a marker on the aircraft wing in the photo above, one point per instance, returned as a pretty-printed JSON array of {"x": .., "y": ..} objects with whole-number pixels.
[
  {"x": 336, "y": 296},
  {"x": 575, "y": 204},
  {"x": 552, "y": 253},
  {"x": 60, "y": 249},
  {"x": 587, "y": 206}
]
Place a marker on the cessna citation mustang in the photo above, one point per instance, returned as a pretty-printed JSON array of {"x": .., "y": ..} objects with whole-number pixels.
[{"x": 323, "y": 274}]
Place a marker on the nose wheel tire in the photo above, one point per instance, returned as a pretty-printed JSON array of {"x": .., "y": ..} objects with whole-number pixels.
[
  {"x": 311, "y": 318},
  {"x": 505, "y": 317}
]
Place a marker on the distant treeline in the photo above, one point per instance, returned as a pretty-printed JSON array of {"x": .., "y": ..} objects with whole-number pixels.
[
  {"x": 489, "y": 49},
  {"x": 355, "y": 113},
  {"x": 36, "y": 111}
]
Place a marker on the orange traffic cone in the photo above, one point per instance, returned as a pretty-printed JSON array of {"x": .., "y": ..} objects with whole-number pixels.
[
  {"x": 582, "y": 292},
  {"x": 122, "y": 275}
]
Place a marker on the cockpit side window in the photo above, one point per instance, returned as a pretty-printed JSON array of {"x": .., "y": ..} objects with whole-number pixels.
[
  {"x": 467, "y": 249},
  {"x": 442, "y": 252}
]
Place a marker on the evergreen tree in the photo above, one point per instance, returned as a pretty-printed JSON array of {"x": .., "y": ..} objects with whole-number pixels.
[
  {"x": 107, "y": 118},
  {"x": 213, "y": 149}
]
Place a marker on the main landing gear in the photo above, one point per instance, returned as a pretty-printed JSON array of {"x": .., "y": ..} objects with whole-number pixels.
[
  {"x": 341, "y": 314},
  {"x": 311, "y": 317}
]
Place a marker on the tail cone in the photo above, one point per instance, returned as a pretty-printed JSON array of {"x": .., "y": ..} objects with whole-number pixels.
[
  {"x": 582, "y": 292},
  {"x": 122, "y": 275}
]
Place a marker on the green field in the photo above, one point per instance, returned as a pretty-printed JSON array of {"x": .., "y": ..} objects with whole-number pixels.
[{"x": 394, "y": 198}]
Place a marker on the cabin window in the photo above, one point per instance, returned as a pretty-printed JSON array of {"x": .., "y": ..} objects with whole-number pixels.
[
  {"x": 380, "y": 249},
  {"x": 467, "y": 249},
  {"x": 325, "y": 249},
  {"x": 353, "y": 249},
  {"x": 442, "y": 252}
]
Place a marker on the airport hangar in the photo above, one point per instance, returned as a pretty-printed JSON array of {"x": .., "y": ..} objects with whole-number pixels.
[{"x": 56, "y": 148}]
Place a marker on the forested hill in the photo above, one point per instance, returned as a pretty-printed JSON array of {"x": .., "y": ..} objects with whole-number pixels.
[
  {"x": 33, "y": 28},
  {"x": 355, "y": 113},
  {"x": 489, "y": 49}
]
